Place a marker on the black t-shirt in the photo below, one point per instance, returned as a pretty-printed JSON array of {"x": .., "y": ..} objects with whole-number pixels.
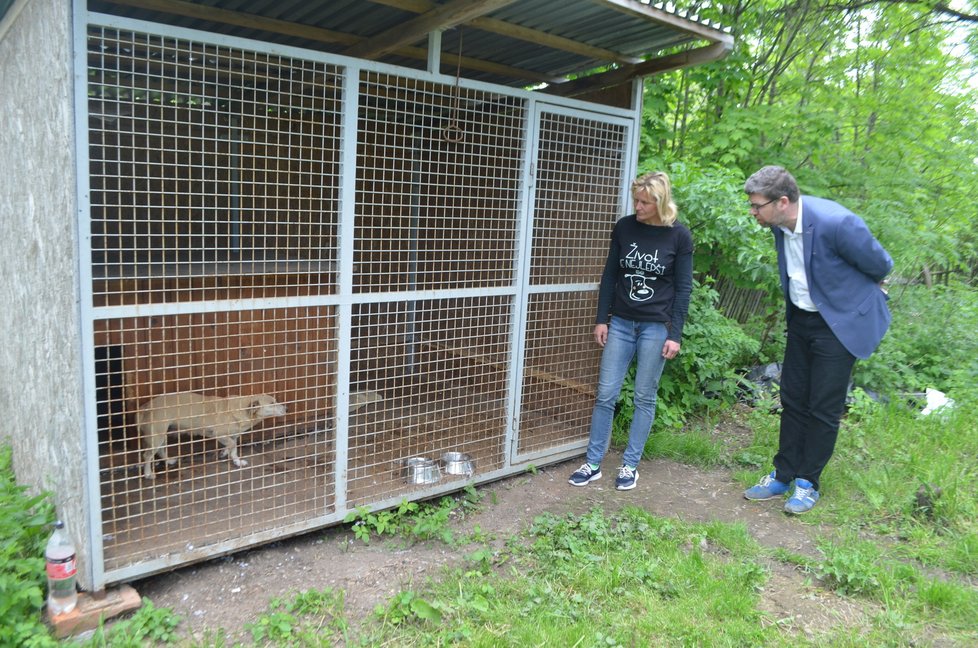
[{"x": 648, "y": 276}]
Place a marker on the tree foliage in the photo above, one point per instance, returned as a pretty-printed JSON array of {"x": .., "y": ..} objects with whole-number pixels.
[
  {"x": 872, "y": 103},
  {"x": 867, "y": 103}
]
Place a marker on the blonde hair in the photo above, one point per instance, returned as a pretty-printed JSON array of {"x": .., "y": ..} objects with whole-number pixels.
[{"x": 656, "y": 185}]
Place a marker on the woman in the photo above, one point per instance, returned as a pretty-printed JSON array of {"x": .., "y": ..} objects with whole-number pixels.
[{"x": 642, "y": 305}]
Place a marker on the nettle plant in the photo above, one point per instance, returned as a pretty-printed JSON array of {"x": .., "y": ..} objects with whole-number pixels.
[
  {"x": 25, "y": 523},
  {"x": 415, "y": 520}
]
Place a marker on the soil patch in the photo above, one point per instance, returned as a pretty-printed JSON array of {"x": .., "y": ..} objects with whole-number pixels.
[{"x": 233, "y": 591}]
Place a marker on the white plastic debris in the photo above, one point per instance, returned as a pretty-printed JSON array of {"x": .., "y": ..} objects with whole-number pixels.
[{"x": 936, "y": 400}]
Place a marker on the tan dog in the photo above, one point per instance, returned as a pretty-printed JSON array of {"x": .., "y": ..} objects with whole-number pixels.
[
  {"x": 362, "y": 399},
  {"x": 223, "y": 419}
]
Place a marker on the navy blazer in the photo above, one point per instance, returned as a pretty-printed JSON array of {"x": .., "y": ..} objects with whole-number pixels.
[{"x": 844, "y": 265}]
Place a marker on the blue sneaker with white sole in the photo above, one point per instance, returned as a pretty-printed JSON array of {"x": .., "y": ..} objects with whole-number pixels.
[
  {"x": 767, "y": 488},
  {"x": 803, "y": 499},
  {"x": 627, "y": 477},
  {"x": 584, "y": 475}
]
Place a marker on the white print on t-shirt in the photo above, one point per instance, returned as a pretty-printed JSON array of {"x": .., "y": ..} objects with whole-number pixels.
[
  {"x": 643, "y": 261},
  {"x": 639, "y": 290}
]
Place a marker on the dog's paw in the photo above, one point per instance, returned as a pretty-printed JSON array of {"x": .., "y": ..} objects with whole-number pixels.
[
  {"x": 240, "y": 462},
  {"x": 171, "y": 462}
]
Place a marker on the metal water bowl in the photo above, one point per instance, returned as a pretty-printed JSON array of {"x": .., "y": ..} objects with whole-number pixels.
[
  {"x": 458, "y": 463},
  {"x": 421, "y": 470}
]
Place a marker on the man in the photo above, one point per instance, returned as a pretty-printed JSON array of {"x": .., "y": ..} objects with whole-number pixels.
[{"x": 832, "y": 269}]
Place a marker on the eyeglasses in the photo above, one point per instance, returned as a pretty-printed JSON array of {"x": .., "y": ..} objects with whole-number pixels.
[{"x": 756, "y": 207}]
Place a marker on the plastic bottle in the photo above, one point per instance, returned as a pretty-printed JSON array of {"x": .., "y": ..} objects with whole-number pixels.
[{"x": 61, "y": 568}]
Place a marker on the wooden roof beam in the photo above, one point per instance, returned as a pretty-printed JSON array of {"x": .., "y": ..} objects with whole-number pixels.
[
  {"x": 621, "y": 75},
  {"x": 518, "y": 32},
  {"x": 317, "y": 34},
  {"x": 241, "y": 19},
  {"x": 442, "y": 17}
]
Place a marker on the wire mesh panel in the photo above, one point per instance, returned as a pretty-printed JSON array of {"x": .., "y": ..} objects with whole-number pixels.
[
  {"x": 214, "y": 175},
  {"x": 213, "y": 426},
  {"x": 560, "y": 371},
  {"x": 438, "y": 181},
  {"x": 434, "y": 375},
  {"x": 214, "y": 171},
  {"x": 216, "y": 183},
  {"x": 581, "y": 167}
]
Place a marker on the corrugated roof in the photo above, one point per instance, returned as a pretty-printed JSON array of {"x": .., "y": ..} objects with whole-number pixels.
[{"x": 508, "y": 42}]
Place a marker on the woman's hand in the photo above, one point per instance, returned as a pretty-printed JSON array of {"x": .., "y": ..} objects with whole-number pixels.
[
  {"x": 670, "y": 349},
  {"x": 601, "y": 334}
]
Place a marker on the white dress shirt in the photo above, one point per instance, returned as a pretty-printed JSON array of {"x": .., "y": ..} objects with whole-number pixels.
[{"x": 794, "y": 256}]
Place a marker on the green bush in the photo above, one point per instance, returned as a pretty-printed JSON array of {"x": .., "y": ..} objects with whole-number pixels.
[
  {"x": 704, "y": 374},
  {"x": 768, "y": 328},
  {"x": 931, "y": 343},
  {"x": 728, "y": 241},
  {"x": 25, "y": 523}
]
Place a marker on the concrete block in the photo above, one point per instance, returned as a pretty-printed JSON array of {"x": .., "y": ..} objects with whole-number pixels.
[{"x": 90, "y": 611}]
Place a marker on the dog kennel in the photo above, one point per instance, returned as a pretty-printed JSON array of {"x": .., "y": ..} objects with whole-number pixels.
[{"x": 406, "y": 259}]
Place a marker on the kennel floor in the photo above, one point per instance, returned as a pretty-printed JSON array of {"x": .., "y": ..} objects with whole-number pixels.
[{"x": 205, "y": 500}]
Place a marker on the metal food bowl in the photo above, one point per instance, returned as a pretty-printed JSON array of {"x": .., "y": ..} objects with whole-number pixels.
[
  {"x": 458, "y": 463},
  {"x": 421, "y": 470}
]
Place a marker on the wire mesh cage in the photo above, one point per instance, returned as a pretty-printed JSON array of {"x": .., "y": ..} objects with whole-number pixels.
[
  {"x": 578, "y": 197},
  {"x": 560, "y": 363},
  {"x": 214, "y": 171},
  {"x": 256, "y": 455},
  {"x": 305, "y": 276},
  {"x": 442, "y": 369},
  {"x": 438, "y": 186}
]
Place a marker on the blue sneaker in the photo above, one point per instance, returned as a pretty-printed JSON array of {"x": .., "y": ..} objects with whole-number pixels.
[
  {"x": 803, "y": 499},
  {"x": 626, "y": 478},
  {"x": 584, "y": 475},
  {"x": 767, "y": 488}
]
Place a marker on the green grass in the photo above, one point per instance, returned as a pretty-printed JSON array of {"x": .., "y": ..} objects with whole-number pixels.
[
  {"x": 897, "y": 532},
  {"x": 911, "y": 480},
  {"x": 634, "y": 579},
  {"x": 309, "y": 618},
  {"x": 693, "y": 446},
  {"x": 593, "y": 580},
  {"x": 899, "y": 520}
]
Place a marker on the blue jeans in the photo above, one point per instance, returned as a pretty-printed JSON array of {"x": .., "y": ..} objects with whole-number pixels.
[{"x": 627, "y": 340}]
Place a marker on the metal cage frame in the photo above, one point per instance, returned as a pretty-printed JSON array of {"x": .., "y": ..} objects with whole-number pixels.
[{"x": 408, "y": 261}]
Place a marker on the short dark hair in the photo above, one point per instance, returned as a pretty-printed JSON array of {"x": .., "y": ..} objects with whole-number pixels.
[{"x": 773, "y": 182}]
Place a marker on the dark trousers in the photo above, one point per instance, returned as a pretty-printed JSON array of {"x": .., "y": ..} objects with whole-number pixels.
[{"x": 814, "y": 381}]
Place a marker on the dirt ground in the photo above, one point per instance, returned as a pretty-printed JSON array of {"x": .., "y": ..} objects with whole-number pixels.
[{"x": 232, "y": 591}]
